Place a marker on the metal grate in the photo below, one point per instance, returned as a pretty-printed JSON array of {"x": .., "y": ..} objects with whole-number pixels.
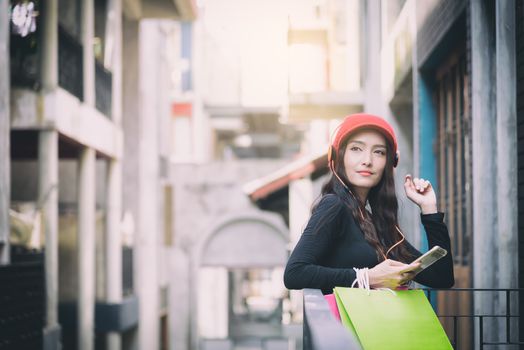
[
  {"x": 479, "y": 319},
  {"x": 22, "y": 302},
  {"x": 127, "y": 271},
  {"x": 103, "y": 89},
  {"x": 454, "y": 154},
  {"x": 70, "y": 63}
]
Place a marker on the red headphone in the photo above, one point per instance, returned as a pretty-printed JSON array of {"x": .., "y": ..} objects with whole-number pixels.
[{"x": 362, "y": 121}]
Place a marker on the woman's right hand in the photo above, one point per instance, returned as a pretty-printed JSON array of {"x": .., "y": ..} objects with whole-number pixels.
[{"x": 391, "y": 274}]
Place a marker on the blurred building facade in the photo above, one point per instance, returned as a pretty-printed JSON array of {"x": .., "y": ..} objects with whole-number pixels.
[
  {"x": 87, "y": 108},
  {"x": 177, "y": 162}
]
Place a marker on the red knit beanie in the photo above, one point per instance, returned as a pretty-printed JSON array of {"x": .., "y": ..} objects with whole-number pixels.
[{"x": 358, "y": 121}]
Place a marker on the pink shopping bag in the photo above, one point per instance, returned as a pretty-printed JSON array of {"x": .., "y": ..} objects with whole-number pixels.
[{"x": 333, "y": 305}]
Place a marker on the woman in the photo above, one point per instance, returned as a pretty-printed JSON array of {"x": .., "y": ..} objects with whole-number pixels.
[{"x": 343, "y": 238}]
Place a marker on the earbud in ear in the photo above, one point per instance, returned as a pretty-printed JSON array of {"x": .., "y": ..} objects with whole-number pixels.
[{"x": 396, "y": 159}]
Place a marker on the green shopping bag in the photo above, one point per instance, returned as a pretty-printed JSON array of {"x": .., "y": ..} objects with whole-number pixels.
[{"x": 383, "y": 320}]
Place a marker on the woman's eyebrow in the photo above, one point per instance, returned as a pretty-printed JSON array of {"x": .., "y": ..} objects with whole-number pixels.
[{"x": 363, "y": 143}]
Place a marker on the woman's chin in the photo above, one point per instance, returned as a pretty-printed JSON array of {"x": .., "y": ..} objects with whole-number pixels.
[{"x": 363, "y": 183}]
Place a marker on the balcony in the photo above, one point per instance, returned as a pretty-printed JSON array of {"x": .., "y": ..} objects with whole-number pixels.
[{"x": 182, "y": 10}]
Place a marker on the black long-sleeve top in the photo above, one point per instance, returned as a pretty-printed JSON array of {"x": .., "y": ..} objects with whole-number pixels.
[{"x": 325, "y": 259}]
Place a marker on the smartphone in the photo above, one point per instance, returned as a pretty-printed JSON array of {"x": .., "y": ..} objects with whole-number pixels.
[{"x": 429, "y": 258}]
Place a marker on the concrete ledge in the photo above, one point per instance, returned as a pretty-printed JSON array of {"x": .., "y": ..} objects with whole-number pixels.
[
  {"x": 109, "y": 317},
  {"x": 51, "y": 337},
  {"x": 61, "y": 111},
  {"x": 119, "y": 317}
]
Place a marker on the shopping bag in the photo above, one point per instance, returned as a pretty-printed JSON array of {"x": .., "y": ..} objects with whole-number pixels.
[
  {"x": 380, "y": 319},
  {"x": 330, "y": 298}
]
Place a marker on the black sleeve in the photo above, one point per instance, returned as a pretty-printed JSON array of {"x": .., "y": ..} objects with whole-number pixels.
[
  {"x": 304, "y": 268},
  {"x": 440, "y": 274}
]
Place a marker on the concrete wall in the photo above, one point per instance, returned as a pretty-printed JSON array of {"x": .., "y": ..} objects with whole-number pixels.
[
  {"x": 203, "y": 193},
  {"x": 4, "y": 131},
  {"x": 146, "y": 116},
  {"x": 494, "y": 171},
  {"x": 519, "y": 14},
  {"x": 130, "y": 68}
]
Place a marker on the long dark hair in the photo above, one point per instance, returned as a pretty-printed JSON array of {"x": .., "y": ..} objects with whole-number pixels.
[{"x": 380, "y": 226}]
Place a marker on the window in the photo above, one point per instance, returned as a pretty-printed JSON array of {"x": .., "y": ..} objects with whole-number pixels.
[{"x": 454, "y": 154}]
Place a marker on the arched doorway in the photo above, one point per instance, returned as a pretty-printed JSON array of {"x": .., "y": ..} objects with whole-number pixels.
[{"x": 237, "y": 281}]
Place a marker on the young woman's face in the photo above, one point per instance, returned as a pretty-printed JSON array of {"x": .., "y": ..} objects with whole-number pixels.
[{"x": 365, "y": 159}]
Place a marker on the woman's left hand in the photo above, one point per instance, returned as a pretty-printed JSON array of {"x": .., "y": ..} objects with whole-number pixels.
[{"x": 420, "y": 192}]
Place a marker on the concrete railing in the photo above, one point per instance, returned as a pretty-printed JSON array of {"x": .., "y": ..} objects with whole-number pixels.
[{"x": 322, "y": 331}]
